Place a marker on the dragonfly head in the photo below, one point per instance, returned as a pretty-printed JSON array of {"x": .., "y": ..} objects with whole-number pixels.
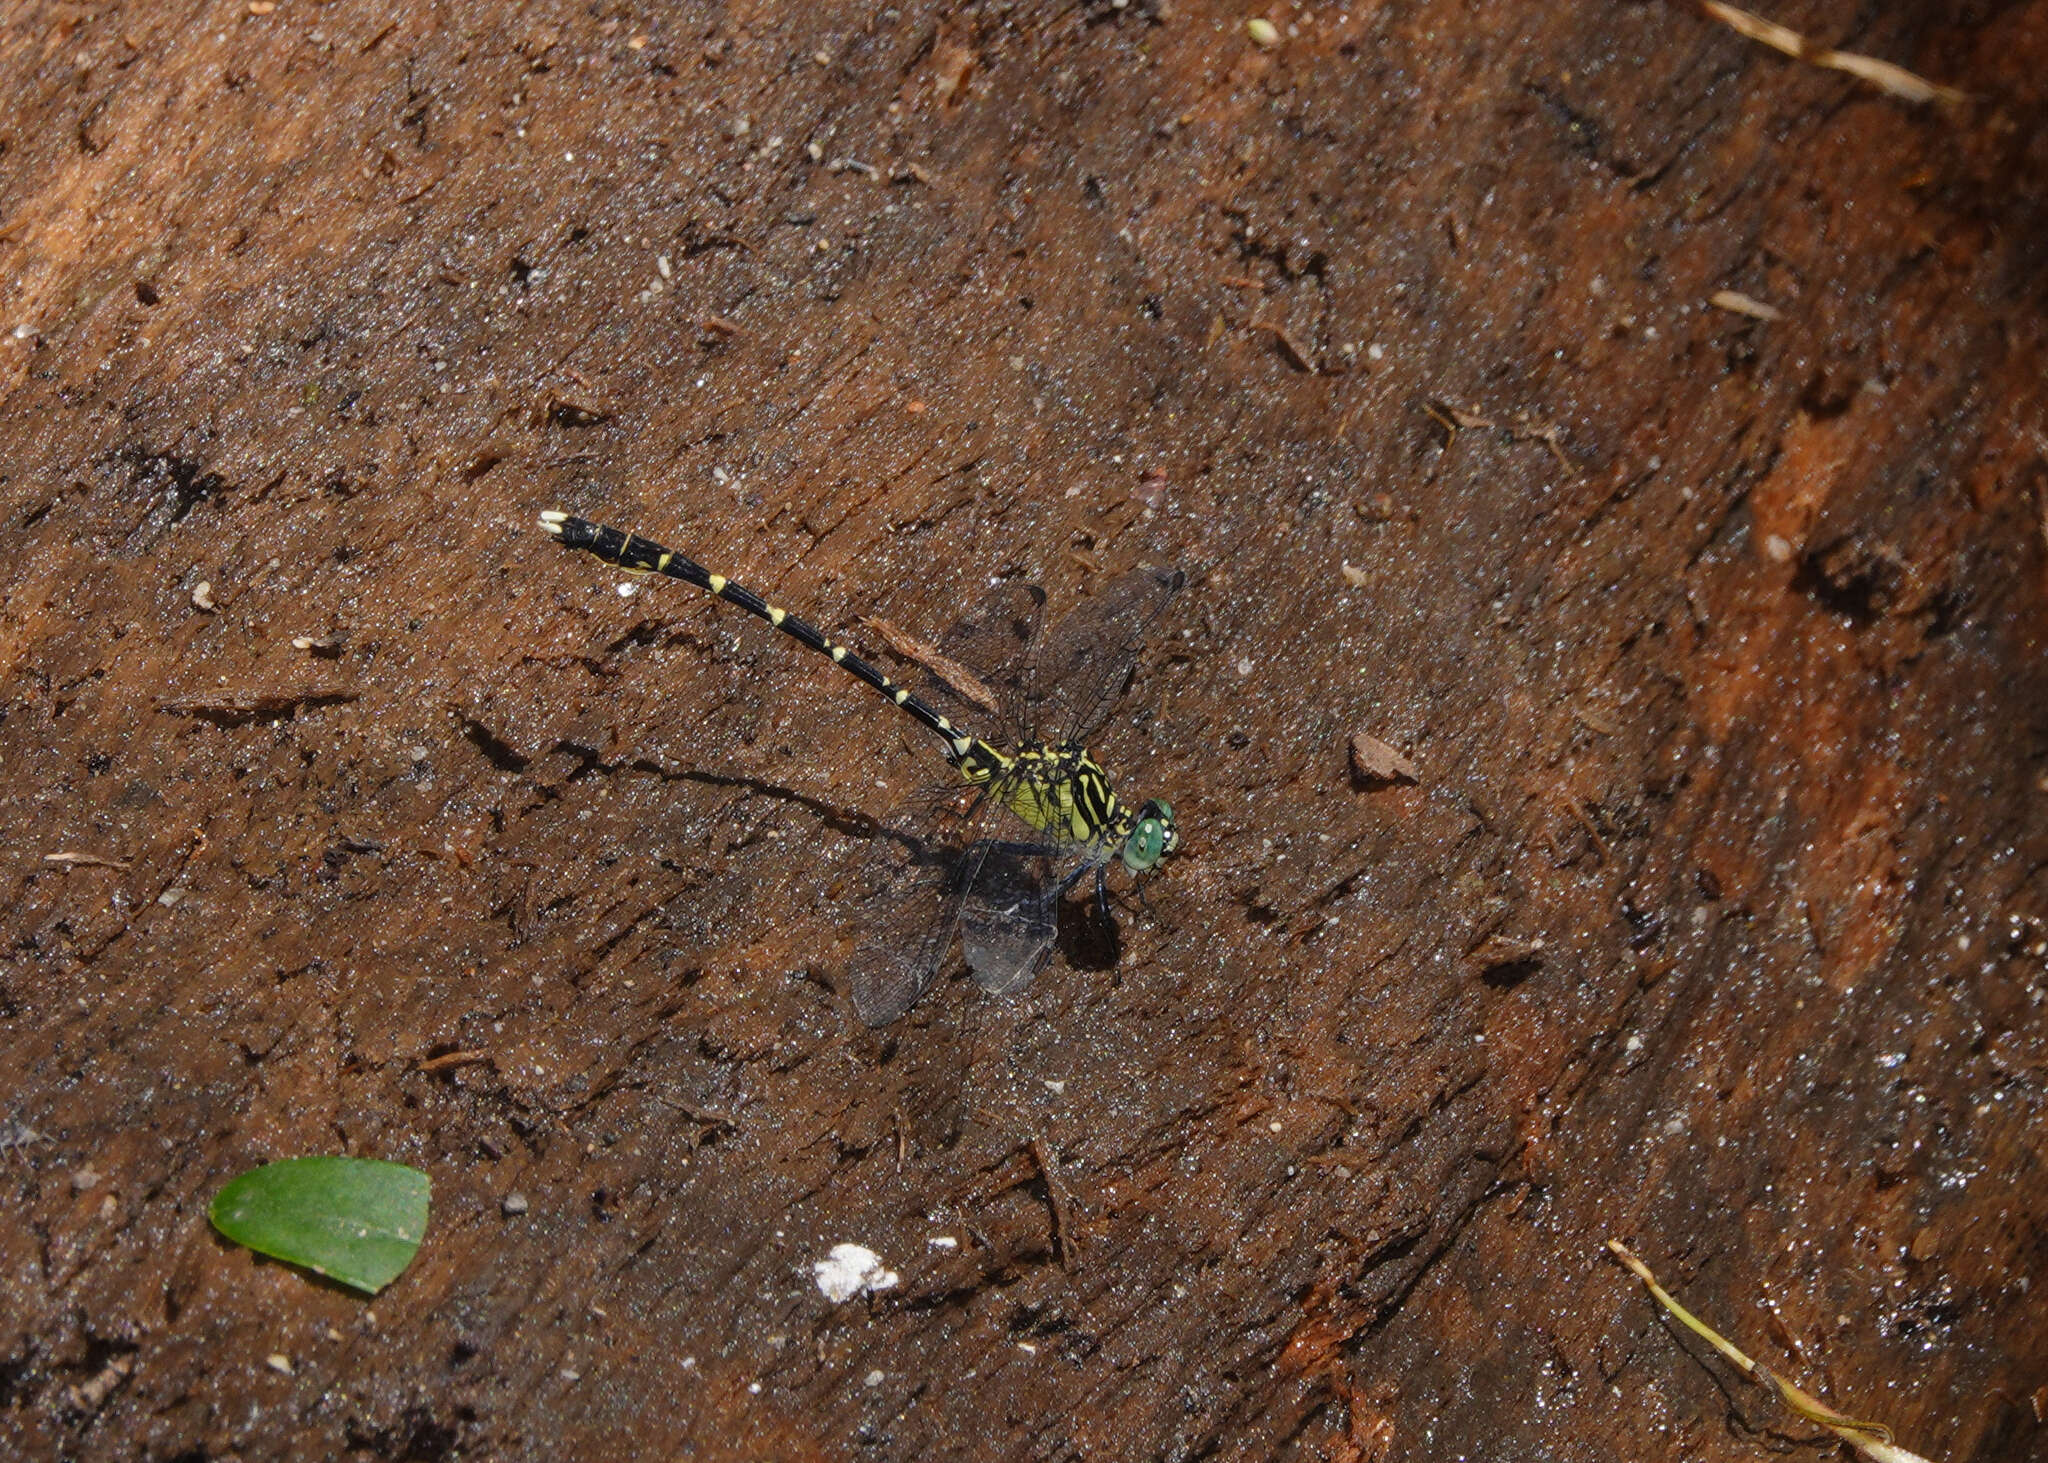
[{"x": 1151, "y": 838}]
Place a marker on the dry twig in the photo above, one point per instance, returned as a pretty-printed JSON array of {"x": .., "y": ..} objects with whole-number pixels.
[
  {"x": 1892, "y": 80},
  {"x": 91, "y": 860},
  {"x": 1872, "y": 1439},
  {"x": 963, "y": 682}
]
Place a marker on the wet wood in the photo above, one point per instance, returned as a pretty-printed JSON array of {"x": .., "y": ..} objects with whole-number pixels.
[{"x": 1717, "y": 926}]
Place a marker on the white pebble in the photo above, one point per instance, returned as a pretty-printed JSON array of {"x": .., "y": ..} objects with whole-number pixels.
[{"x": 851, "y": 1270}]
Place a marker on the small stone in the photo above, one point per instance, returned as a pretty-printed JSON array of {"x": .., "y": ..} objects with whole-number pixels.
[{"x": 1379, "y": 762}]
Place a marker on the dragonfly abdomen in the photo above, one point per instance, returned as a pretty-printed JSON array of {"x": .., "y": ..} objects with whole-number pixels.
[{"x": 637, "y": 555}]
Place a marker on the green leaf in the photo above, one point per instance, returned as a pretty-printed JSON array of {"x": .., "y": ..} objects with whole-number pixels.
[{"x": 355, "y": 1220}]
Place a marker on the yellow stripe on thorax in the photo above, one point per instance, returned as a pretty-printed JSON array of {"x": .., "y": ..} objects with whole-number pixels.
[{"x": 1073, "y": 803}]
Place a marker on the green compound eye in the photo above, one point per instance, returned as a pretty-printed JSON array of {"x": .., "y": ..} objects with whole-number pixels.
[{"x": 1151, "y": 840}]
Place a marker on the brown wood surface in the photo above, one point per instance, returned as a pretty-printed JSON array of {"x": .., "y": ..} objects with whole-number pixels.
[{"x": 1714, "y": 917}]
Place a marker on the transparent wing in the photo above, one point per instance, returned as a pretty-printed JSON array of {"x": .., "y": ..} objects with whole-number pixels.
[
  {"x": 996, "y": 638},
  {"x": 906, "y": 901},
  {"x": 975, "y": 673},
  {"x": 1009, "y": 914},
  {"x": 938, "y": 867},
  {"x": 1084, "y": 661}
]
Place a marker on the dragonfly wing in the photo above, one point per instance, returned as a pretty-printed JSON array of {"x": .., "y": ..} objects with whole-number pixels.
[
  {"x": 907, "y": 907},
  {"x": 1009, "y": 915},
  {"x": 996, "y": 638},
  {"x": 1084, "y": 660}
]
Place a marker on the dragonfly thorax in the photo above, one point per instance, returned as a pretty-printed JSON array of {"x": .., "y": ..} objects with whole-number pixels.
[{"x": 1063, "y": 792}]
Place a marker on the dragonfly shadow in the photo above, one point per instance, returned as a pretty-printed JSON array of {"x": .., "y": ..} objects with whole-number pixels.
[{"x": 1089, "y": 937}]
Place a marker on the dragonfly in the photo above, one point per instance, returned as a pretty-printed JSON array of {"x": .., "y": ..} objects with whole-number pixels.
[{"x": 1023, "y": 820}]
